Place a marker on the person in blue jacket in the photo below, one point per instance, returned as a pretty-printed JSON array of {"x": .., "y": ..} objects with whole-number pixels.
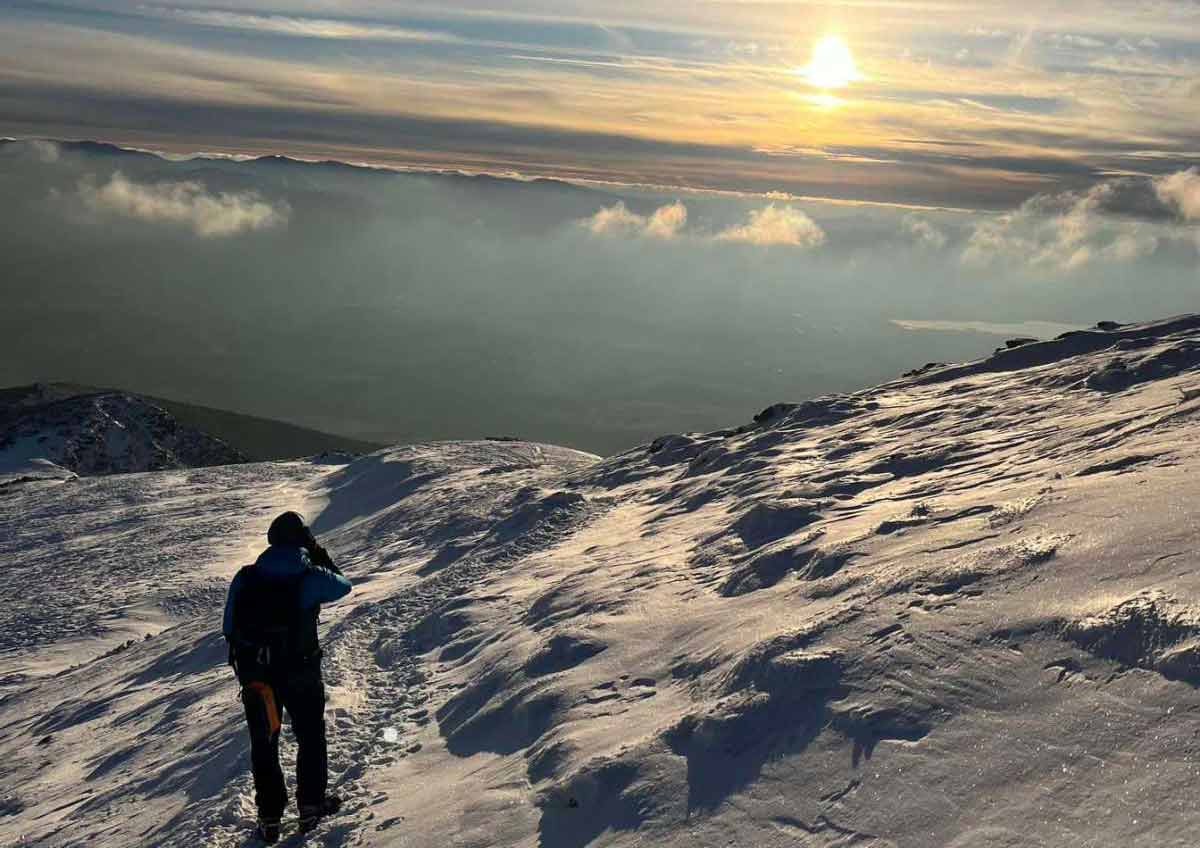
[{"x": 271, "y": 617}]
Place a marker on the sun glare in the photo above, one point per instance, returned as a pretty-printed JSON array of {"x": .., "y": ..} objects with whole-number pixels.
[{"x": 832, "y": 64}]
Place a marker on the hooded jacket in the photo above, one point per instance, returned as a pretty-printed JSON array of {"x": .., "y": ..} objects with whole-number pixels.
[{"x": 317, "y": 586}]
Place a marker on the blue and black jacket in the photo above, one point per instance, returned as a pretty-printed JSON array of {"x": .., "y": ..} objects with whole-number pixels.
[{"x": 290, "y": 577}]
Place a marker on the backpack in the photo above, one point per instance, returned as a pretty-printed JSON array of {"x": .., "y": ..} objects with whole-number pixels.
[{"x": 269, "y": 628}]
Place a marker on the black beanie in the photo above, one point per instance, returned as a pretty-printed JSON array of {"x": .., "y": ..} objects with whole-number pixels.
[{"x": 288, "y": 529}]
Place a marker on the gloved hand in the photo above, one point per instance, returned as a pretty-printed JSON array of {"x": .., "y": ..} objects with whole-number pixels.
[{"x": 321, "y": 558}]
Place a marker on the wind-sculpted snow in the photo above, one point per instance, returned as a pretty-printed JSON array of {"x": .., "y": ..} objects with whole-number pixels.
[
  {"x": 1150, "y": 630},
  {"x": 959, "y": 609}
]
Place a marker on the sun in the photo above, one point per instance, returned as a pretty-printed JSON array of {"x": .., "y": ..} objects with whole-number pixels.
[{"x": 832, "y": 64}]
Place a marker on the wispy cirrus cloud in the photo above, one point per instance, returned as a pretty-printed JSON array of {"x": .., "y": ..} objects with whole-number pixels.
[
  {"x": 1078, "y": 42},
  {"x": 302, "y": 27}
]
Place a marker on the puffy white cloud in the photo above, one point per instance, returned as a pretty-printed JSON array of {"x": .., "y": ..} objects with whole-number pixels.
[
  {"x": 666, "y": 222},
  {"x": 925, "y": 233},
  {"x": 1134, "y": 242},
  {"x": 773, "y": 224},
  {"x": 46, "y": 151},
  {"x": 1065, "y": 231},
  {"x": 1181, "y": 192},
  {"x": 187, "y": 203},
  {"x": 615, "y": 219}
]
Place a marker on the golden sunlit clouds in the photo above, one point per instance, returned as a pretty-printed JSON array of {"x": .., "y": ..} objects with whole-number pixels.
[{"x": 832, "y": 64}]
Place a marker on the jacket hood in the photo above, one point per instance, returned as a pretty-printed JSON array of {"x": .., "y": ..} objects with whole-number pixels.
[
  {"x": 283, "y": 560},
  {"x": 289, "y": 528}
]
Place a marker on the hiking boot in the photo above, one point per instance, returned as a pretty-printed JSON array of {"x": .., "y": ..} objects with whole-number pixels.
[
  {"x": 267, "y": 830},
  {"x": 310, "y": 814}
]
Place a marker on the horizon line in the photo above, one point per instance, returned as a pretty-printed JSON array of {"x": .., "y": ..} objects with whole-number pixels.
[{"x": 511, "y": 175}]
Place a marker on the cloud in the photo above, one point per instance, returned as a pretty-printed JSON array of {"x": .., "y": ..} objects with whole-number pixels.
[
  {"x": 666, "y": 222},
  {"x": 303, "y": 27},
  {"x": 1181, "y": 192},
  {"x": 989, "y": 33},
  {"x": 771, "y": 225},
  {"x": 46, "y": 151},
  {"x": 1067, "y": 230},
  {"x": 925, "y": 233},
  {"x": 42, "y": 150},
  {"x": 1081, "y": 42},
  {"x": 187, "y": 203}
]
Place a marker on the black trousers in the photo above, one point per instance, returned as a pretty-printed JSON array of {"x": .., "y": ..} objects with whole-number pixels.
[{"x": 302, "y": 694}]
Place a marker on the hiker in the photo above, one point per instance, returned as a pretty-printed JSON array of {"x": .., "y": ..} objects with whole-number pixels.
[{"x": 271, "y": 627}]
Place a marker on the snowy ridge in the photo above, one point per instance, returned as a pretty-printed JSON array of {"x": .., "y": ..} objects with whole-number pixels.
[
  {"x": 959, "y": 609},
  {"x": 101, "y": 433}
]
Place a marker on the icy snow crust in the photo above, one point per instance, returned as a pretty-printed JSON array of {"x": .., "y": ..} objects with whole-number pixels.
[{"x": 958, "y": 609}]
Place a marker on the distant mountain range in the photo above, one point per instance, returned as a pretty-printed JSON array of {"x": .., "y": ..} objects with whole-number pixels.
[
  {"x": 90, "y": 430},
  {"x": 562, "y": 199},
  {"x": 282, "y": 164}
]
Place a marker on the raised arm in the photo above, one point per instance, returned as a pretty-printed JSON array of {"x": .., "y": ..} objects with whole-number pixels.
[{"x": 323, "y": 584}]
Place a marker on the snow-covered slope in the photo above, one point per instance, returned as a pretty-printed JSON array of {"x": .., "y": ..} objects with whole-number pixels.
[
  {"x": 100, "y": 432},
  {"x": 961, "y": 608}
]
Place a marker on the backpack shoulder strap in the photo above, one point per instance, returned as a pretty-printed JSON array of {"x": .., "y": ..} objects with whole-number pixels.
[{"x": 247, "y": 579}]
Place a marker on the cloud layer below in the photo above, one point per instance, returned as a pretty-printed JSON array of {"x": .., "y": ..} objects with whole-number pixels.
[
  {"x": 1117, "y": 221},
  {"x": 595, "y": 316}
]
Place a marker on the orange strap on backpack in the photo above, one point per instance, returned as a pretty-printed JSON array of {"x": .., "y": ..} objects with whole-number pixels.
[{"x": 267, "y": 695}]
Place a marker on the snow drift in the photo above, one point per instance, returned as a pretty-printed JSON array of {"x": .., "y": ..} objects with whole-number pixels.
[{"x": 959, "y": 608}]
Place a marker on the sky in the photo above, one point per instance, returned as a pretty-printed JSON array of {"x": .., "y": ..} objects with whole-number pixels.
[
  {"x": 977, "y": 105},
  {"x": 586, "y": 222}
]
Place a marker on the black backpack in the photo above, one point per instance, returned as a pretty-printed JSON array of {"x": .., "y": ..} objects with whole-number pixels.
[{"x": 270, "y": 631}]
